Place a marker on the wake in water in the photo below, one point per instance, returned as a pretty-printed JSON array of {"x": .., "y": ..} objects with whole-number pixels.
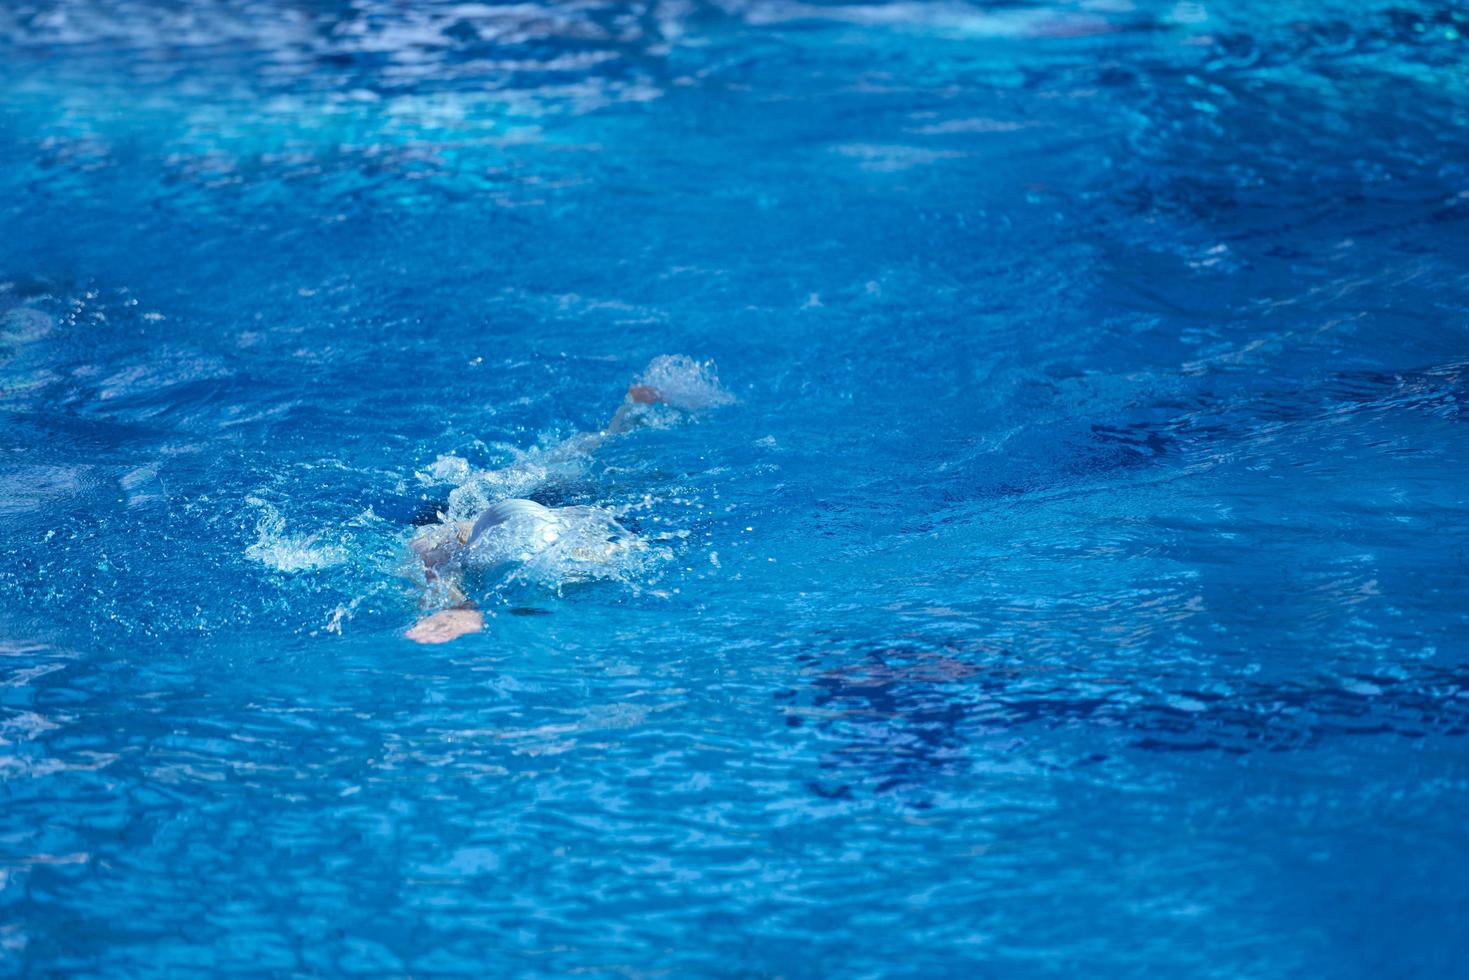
[{"x": 492, "y": 536}]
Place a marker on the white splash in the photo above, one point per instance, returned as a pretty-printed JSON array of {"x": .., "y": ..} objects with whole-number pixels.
[
  {"x": 276, "y": 549},
  {"x": 577, "y": 544},
  {"x": 529, "y": 470},
  {"x": 685, "y": 383}
]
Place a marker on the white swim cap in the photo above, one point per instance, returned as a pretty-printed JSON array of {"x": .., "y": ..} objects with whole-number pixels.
[{"x": 541, "y": 525}]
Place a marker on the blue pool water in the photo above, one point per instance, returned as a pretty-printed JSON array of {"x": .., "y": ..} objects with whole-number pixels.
[{"x": 1074, "y": 583}]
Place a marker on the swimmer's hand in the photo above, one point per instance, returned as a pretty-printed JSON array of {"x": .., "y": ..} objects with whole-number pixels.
[
  {"x": 446, "y": 625},
  {"x": 644, "y": 394}
]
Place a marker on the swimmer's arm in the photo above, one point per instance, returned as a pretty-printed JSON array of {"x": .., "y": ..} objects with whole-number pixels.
[
  {"x": 631, "y": 412},
  {"x": 436, "y": 547}
]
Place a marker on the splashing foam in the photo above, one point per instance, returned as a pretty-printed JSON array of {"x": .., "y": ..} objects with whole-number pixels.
[
  {"x": 685, "y": 383},
  {"x": 528, "y": 471},
  {"x": 276, "y": 549},
  {"x": 580, "y": 544}
]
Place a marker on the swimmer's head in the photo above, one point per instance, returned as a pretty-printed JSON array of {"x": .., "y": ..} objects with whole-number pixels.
[
  {"x": 535, "y": 524},
  {"x": 522, "y": 541},
  {"x": 510, "y": 533}
]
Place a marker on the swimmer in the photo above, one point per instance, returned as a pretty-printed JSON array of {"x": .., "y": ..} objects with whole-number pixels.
[{"x": 509, "y": 531}]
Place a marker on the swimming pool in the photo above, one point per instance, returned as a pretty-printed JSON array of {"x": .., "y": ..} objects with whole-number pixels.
[{"x": 1066, "y": 572}]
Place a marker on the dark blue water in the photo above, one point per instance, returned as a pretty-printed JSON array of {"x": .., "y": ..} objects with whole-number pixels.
[{"x": 1077, "y": 583}]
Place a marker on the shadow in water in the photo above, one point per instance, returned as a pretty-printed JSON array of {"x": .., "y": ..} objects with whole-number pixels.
[{"x": 900, "y": 718}]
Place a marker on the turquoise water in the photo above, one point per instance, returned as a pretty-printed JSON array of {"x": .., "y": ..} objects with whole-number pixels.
[{"x": 1063, "y": 572}]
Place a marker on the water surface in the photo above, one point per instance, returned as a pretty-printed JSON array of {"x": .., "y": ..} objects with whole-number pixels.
[{"x": 1076, "y": 581}]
